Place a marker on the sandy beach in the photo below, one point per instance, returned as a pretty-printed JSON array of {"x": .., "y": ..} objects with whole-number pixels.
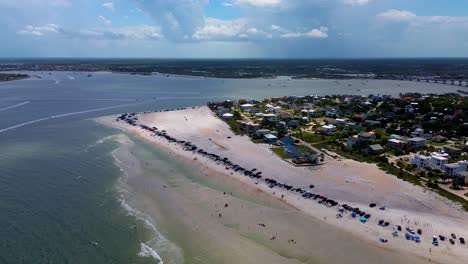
[{"x": 296, "y": 230}]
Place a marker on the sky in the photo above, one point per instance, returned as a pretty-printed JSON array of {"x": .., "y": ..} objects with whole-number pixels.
[{"x": 234, "y": 28}]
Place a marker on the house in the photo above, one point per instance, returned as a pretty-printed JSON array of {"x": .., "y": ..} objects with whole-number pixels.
[
  {"x": 452, "y": 151},
  {"x": 417, "y": 142},
  {"x": 437, "y": 161},
  {"x": 360, "y": 117},
  {"x": 353, "y": 126},
  {"x": 270, "y": 138},
  {"x": 269, "y": 108},
  {"x": 396, "y": 144},
  {"x": 326, "y": 130},
  {"x": 340, "y": 121},
  {"x": 293, "y": 123},
  {"x": 286, "y": 116},
  {"x": 246, "y": 107},
  {"x": 269, "y": 117},
  {"x": 418, "y": 132},
  {"x": 262, "y": 132},
  {"x": 228, "y": 116},
  {"x": 249, "y": 127},
  {"x": 277, "y": 109},
  {"x": 366, "y": 136},
  {"x": 375, "y": 149},
  {"x": 352, "y": 141},
  {"x": 439, "y": 139},
  {"x": 420, "y": 161},
  {"x": 461, "y": 178},
  {"x": 308, "y": 113},
  {"x": 372, "y": 123},
  {"x": 453, "y": 169}
]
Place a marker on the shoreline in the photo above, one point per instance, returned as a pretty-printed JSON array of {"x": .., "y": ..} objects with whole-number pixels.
[{"x": 369, "y": 232}]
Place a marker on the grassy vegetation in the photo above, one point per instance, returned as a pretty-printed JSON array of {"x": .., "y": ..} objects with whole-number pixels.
[
  {"x": 311, "y": 137},
  {"x": 452, "y": 197},
  {"x": 235, "y": 127},
  {"x": 280, "y": 152},
  {"x": 304, "y": 149}
]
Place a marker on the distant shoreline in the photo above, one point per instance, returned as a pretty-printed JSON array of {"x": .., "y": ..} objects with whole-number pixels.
[{"x": 8, "y": 77}]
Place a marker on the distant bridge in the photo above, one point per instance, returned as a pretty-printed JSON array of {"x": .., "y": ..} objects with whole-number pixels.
[{"x": 461, "y": 83}]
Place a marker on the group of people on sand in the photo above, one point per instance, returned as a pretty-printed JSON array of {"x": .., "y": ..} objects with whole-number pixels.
[{"x": 132, "y": 118}]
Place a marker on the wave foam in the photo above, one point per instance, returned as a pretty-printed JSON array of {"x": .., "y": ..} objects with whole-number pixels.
[{"x": 147, "y": 252}]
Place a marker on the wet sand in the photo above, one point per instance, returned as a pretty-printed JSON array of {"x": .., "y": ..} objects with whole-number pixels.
[{"x": 188, "y": 207}]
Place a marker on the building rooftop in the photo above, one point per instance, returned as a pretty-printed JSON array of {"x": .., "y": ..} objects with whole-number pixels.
[
  {"x": 417, "y": 139},
  {"x": 270, "y": 136}
]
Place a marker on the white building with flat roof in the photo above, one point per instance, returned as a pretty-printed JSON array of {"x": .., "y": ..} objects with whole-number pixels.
[
  {"x": 452, "y": 169},
  {"x": 420, "y": 161}
]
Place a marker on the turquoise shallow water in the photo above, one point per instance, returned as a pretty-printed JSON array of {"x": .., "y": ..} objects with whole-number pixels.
[{"x": 58, "y": 203}]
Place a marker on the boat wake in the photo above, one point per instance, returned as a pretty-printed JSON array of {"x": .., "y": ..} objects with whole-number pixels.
[
  {"x": 59, "y": 116},
  {"x": 14, "y": 106}
]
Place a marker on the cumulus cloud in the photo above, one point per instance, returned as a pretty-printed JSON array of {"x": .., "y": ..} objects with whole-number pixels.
[
  {"x": 259, "y": 3},
  {"x": 356, "y": 2},
  {"x": 105, "y": 20},
  {"x": 143, "y": 32},
  {"x": 395, "y": 15},
  {"x": 29, "y": 3},
  {"x": 243, "y": 30},
  {"x": 178, "y": 19},
  {"x": 39, "y": 30},
  {"x": 109, "y": 5},
  {"x": 320, "y": 33}
]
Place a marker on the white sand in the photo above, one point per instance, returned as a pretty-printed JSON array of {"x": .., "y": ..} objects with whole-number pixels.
[{"x": 346, "y": 181}]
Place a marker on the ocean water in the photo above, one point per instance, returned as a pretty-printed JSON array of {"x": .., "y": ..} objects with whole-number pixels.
[{"x": 58, "y": 201}]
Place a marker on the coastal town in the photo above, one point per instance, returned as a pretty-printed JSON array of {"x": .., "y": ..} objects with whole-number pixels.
[
  {"x": 419, "y": 138},
  {"x": 341, "y": 160}
]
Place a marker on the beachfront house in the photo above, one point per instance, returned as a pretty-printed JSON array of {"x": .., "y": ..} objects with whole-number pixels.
[
  {"x": 249, "y": 127},
  {"x": 453, "y": 169},
  {"x": 436, "y": 161},
  {"x": 461, "y": 178},
  {"x": 375, "y": 149},
  {"x": 228, "y": 116},
  {"x": 417, "y": 142},
  {"x": 420, "y": 161},
  {"x": 352, "y": 141}
]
